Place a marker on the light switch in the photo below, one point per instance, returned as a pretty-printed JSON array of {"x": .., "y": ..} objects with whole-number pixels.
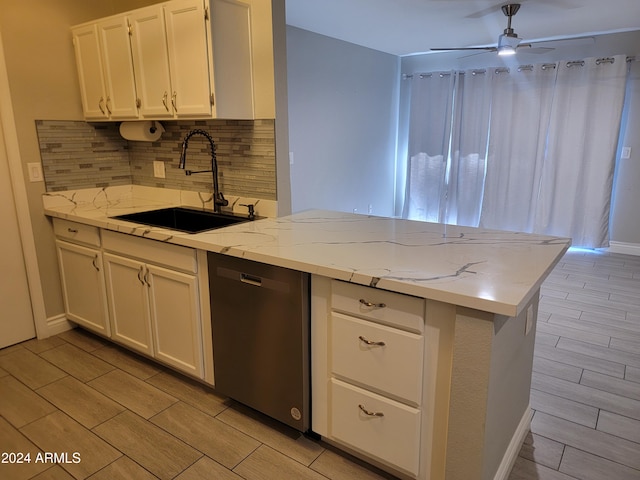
[
  {"x": 35, "y": 172},
  {"x": 158, "y": 169}
]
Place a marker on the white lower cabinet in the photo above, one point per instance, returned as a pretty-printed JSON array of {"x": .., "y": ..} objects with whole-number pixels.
[
  {"x": 83, "y": 286},
  {"x": 128, "y": 299},
  {"x": 147, "y": 295},
  {"x": 81, "y": 275},
  {"x": 367, "y": 372},
  {"x": 175, "y": 319},
  {"x": 155, "y": 309},
  {"x": 376, "y": 425}
]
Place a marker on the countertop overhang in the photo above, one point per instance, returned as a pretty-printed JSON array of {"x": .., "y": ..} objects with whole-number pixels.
[{"x": 488, "y": 270}]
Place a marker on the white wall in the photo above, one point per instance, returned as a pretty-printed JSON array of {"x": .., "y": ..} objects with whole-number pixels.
[
  {"x": 342, "y": 124},
  {"x": 625, "y": 218}
]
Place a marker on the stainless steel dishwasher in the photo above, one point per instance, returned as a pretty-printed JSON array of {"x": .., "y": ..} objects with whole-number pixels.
[{"x": 260, "y": 323}]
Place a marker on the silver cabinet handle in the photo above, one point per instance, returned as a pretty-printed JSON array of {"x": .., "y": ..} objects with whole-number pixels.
[
  {"x": 173, "y": 101},
  {"x": 95, "y": 262},
  {"x": 107, "y": 105},
  {"x": 72, "y": 230},
  {"x": 164, "y": 101},
  {"x": 370, "y": 414},
  {"x": 146, "y": 277},
  {"x": 373, "y": 305},
  {"x": 140, "y": 274},
  {"x": 100, "y": 105},
  {"x": 369, "y": 342}
]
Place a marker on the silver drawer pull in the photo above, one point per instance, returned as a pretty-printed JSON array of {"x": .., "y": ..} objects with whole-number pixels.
[
  {"x": 370, "y": 414},
  {"x": 369, "y": 342},
  {"x": 374, "y": 305},
  {"x": 72, "y": 230}
]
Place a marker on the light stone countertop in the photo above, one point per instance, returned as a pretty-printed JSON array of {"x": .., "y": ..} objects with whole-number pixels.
[{"x": 487, "y": 270}]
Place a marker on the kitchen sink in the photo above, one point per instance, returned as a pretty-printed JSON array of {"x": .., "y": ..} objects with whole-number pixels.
[{"x": 183, "y": 219}]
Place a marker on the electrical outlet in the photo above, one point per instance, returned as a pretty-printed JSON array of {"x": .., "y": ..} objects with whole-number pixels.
[
  {"x": 626, "y": 152},
  {"x": 529, "y": 321},
  {"x": 158, "y": 169}
]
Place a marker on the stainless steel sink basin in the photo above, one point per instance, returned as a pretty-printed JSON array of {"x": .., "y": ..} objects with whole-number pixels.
[{"x": 183, "y": 219}]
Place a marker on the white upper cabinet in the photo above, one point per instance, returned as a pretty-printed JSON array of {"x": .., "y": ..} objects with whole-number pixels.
[
  {"x": 232, "y": 67},
  {"x": 149, "y": 48},
  {"x": 90, "y": 72},
  {"x": 118, "y": 68},
  {"x": 179, "y": 59},
  {"x": 192, "y": 92},
  {"x": 105, "y": 70}
]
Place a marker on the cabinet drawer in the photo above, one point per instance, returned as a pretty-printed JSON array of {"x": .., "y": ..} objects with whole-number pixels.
[
  {"x": 393, "y": 438},
  {"x": 403, "y": 311},
  {"x": 160, "y": 253},
  {"x": 394, "y": 368},
  {"x": 77, "y": 232}
]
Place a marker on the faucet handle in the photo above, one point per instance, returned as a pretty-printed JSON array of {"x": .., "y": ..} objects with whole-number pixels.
[
  {"x": 220, "y": 200},
  {"x": 251, "y": 207}
]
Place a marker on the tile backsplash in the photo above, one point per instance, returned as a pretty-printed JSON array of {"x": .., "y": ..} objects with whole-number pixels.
[{"x": 78, "y": 155}]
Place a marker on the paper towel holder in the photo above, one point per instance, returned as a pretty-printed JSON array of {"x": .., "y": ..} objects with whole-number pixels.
[{"x": 145, "y": 131}]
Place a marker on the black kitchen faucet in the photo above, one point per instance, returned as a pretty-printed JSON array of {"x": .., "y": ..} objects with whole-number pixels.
[{"x": 218, "y": 197}]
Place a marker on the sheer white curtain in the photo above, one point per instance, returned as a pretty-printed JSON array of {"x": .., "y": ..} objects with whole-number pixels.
[
  {"x": 522, "y": 100},
  {"x": 552, "y": 134},
  {"x": 429, "y": 134},
  {"x": 469, "y": 147},
  {"x": 577, "y": 176}
]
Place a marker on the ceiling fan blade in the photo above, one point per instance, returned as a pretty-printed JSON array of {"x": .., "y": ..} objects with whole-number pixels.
[
  {"x": 539, "y": 50},
  {"x": 567, "y": 41},
  {"x": 476, "y": 54},
  {"x": 487, "y": 49},
  {"x": 484, "y": 12}
]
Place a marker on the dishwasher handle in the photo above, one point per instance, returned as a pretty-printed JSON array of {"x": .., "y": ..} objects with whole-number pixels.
[{"x": 251, "y": 279}]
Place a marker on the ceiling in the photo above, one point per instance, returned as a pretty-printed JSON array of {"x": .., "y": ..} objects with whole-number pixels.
[{"x": 405, "y": 27}]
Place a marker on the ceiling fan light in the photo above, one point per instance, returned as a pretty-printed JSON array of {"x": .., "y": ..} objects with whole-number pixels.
[
  {"x": 507, "y": 44},
  {"x": 505, "y": 51}
]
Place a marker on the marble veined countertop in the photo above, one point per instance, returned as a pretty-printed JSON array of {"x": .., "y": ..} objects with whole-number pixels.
[{"x": 488, "y": 270}]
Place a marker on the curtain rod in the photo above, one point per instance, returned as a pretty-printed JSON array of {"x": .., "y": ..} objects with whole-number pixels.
[{"x": 571, "y": 63}]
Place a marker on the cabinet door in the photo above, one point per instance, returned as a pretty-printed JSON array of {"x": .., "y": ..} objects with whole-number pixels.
[
  {"x": 188, "y": 57},
  {"x": 175, "y": 313},
  {"x": 90, "y": 73},
  {"x": 151, "y": 60},
  {"x": 117, "y": 62},
  {"x": 83, "y": 286},
  {"x": 234, "y": 60},
  {"x": 128, "y": 300}
]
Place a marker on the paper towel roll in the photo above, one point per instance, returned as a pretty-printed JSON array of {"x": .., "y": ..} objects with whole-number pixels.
[{"x": 143, "y": 131}]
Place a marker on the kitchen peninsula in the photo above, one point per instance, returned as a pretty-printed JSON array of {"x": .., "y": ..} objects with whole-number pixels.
[{"x": 452, "y": 401}]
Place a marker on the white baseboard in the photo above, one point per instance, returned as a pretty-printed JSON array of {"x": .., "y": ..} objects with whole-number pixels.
[
  {"x": 58, "y": 324},
  {"x": 515, "y": 445},
  {"x": 626, "y": 248}
]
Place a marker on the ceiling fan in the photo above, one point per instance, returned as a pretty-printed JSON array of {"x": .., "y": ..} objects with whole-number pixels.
[{"x": 509, "y": 41}]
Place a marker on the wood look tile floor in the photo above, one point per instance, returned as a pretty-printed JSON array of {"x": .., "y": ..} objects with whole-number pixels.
[
  {"x": 132, "y": 419},
  {"x": 585, "y": 389},
  {"x": 129, "y": 418}
]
